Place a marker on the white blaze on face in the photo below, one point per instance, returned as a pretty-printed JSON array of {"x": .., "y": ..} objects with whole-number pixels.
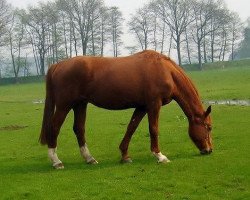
[{"x": 53, "y": 156}]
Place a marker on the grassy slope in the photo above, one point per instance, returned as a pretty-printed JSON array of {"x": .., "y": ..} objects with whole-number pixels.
[{"x": 26, "y": 173}]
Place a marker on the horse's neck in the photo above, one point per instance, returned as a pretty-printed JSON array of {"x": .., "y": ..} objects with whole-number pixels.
[{"x": 187, "y": 96}]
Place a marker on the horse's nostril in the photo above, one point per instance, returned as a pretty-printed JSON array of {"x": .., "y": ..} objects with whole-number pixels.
[{"x": 205, "y": 151}]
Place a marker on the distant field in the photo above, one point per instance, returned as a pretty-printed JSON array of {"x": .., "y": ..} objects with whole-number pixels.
[
  {"x": 245, "y": 63},
  {"x": 223, "y": 84},
  {"x": 26, "y": 173}
]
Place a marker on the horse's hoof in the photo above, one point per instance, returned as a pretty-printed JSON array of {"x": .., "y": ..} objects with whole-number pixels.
[
  {"x": 161, "y": 158},
  {"x": 126, "y": 160},
  {"x": 92, "y": 162},
  {"x": 59, "y": 166},
  {"x": 164, "y": 161}
]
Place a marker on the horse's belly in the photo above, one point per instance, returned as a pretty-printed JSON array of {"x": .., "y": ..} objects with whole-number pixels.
[
  {"x": 116, "y": 100},
  {"x": 114, "y": 106}
]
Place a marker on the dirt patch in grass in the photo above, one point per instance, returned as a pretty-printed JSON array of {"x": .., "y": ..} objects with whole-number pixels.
[{"x": 12, "y": 127}]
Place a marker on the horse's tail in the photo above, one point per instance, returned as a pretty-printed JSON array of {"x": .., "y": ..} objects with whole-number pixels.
[{"x": 49, "y": 109}]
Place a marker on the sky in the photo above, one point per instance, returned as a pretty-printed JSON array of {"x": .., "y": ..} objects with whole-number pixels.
[
  {"x": 128, "y": 7},
  {"x": 242, "y": 7}
]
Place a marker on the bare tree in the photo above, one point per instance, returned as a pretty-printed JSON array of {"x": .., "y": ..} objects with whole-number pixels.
[
  {"x": 244, "y": 46},
  {"x": 15, "y": 37},
  {"x": 104, "y": 28},
  {"x": 95, "y": 31},
  {"x": 159, "y": 28},
  {"x": 5, "y": 18},
  {"x": 149, "y": 28},
  {"x": 188, "y": 49},
  {"x": 132, "y": 49},
  {"x": 57, "y": 37},
  {"x": 214, "y": 26},
  {"x": 202, "y": 12},
  {"x": 116, "y": 21},
  {"x": 36, "y": 20},
  {"x": 200, "y": 30},
  {"x": 141, "y": 25},
  {"x": 224, "y": 37},
  {"x": 176, "y": 14},
  {"x": 235, "y": 33},
  {"x": 82, "y": 14}
]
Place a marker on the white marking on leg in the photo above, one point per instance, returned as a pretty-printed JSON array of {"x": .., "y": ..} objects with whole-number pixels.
[
  {"x": 161, "y": 158},
  {"x": 53, "y": 157},
  {"x": 86, "y": 155}
]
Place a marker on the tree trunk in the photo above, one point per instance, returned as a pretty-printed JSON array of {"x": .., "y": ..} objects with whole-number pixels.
[
  {"x": 199, "y": 54},
  {"x": 13, "y": 60},
  {"x": 65, "y": 37},
  {"x": 188, "y": 50},
  {"x": 204, "y": 50},
  {"x": 178, "y": 45},
  {"x": 163, "y": 37}
]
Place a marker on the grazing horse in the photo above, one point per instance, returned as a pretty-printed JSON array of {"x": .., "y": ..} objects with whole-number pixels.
[{"x": 144, "y": 81}]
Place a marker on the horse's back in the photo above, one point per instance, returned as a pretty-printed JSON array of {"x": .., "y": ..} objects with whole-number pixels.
[{"x": 113, "y": 83}]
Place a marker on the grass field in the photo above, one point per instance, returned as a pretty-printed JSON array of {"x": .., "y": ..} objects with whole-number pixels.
[{"x": 26, "y": 173}]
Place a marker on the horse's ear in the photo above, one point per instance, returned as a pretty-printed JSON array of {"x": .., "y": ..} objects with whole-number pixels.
[{"x": 208, "y": 111}]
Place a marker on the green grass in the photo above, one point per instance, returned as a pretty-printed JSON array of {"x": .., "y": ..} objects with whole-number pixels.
[
  {"x": 26, "y": 173},
  {"x": 223, "y": 84}
]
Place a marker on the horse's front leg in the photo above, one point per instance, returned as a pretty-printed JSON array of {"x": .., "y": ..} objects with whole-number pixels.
[
  {"x": 133, "y": 124},
  {"x": 153, "y": 118},
  {"x": 79, "y": 129}
]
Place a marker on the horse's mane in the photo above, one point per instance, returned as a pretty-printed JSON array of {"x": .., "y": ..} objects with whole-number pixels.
[
  {"x": 150, "y": 54},
  {"x": 181, "y": 71}
]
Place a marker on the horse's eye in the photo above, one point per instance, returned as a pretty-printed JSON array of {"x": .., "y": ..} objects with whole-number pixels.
[{"x": 208, "y": 127}]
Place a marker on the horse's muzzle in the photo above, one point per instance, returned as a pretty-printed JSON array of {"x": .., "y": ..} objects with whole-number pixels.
[{"x": 206, "y": 151}]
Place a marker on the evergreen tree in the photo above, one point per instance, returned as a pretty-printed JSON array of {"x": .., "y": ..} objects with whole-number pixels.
[{"x": 244, "y": 50}]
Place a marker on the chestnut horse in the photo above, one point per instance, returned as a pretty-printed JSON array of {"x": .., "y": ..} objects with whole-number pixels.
[{"x": 144, "y": 81}]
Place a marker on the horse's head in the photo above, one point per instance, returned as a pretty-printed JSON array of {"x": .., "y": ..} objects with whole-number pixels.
[{"x": 200, "y": 132}]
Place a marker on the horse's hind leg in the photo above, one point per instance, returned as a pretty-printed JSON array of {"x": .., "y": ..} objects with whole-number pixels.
[
  {"x": 57, "y": 122},
  {"x": 79, "y": 129},
  {"x": 153, "y": 117},
  {"x": 133, "y": 124}
]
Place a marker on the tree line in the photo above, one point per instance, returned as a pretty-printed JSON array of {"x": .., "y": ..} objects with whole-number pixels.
[
  {"x": 198, "y": 30},
  {"x": 57, "y": 30}
]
